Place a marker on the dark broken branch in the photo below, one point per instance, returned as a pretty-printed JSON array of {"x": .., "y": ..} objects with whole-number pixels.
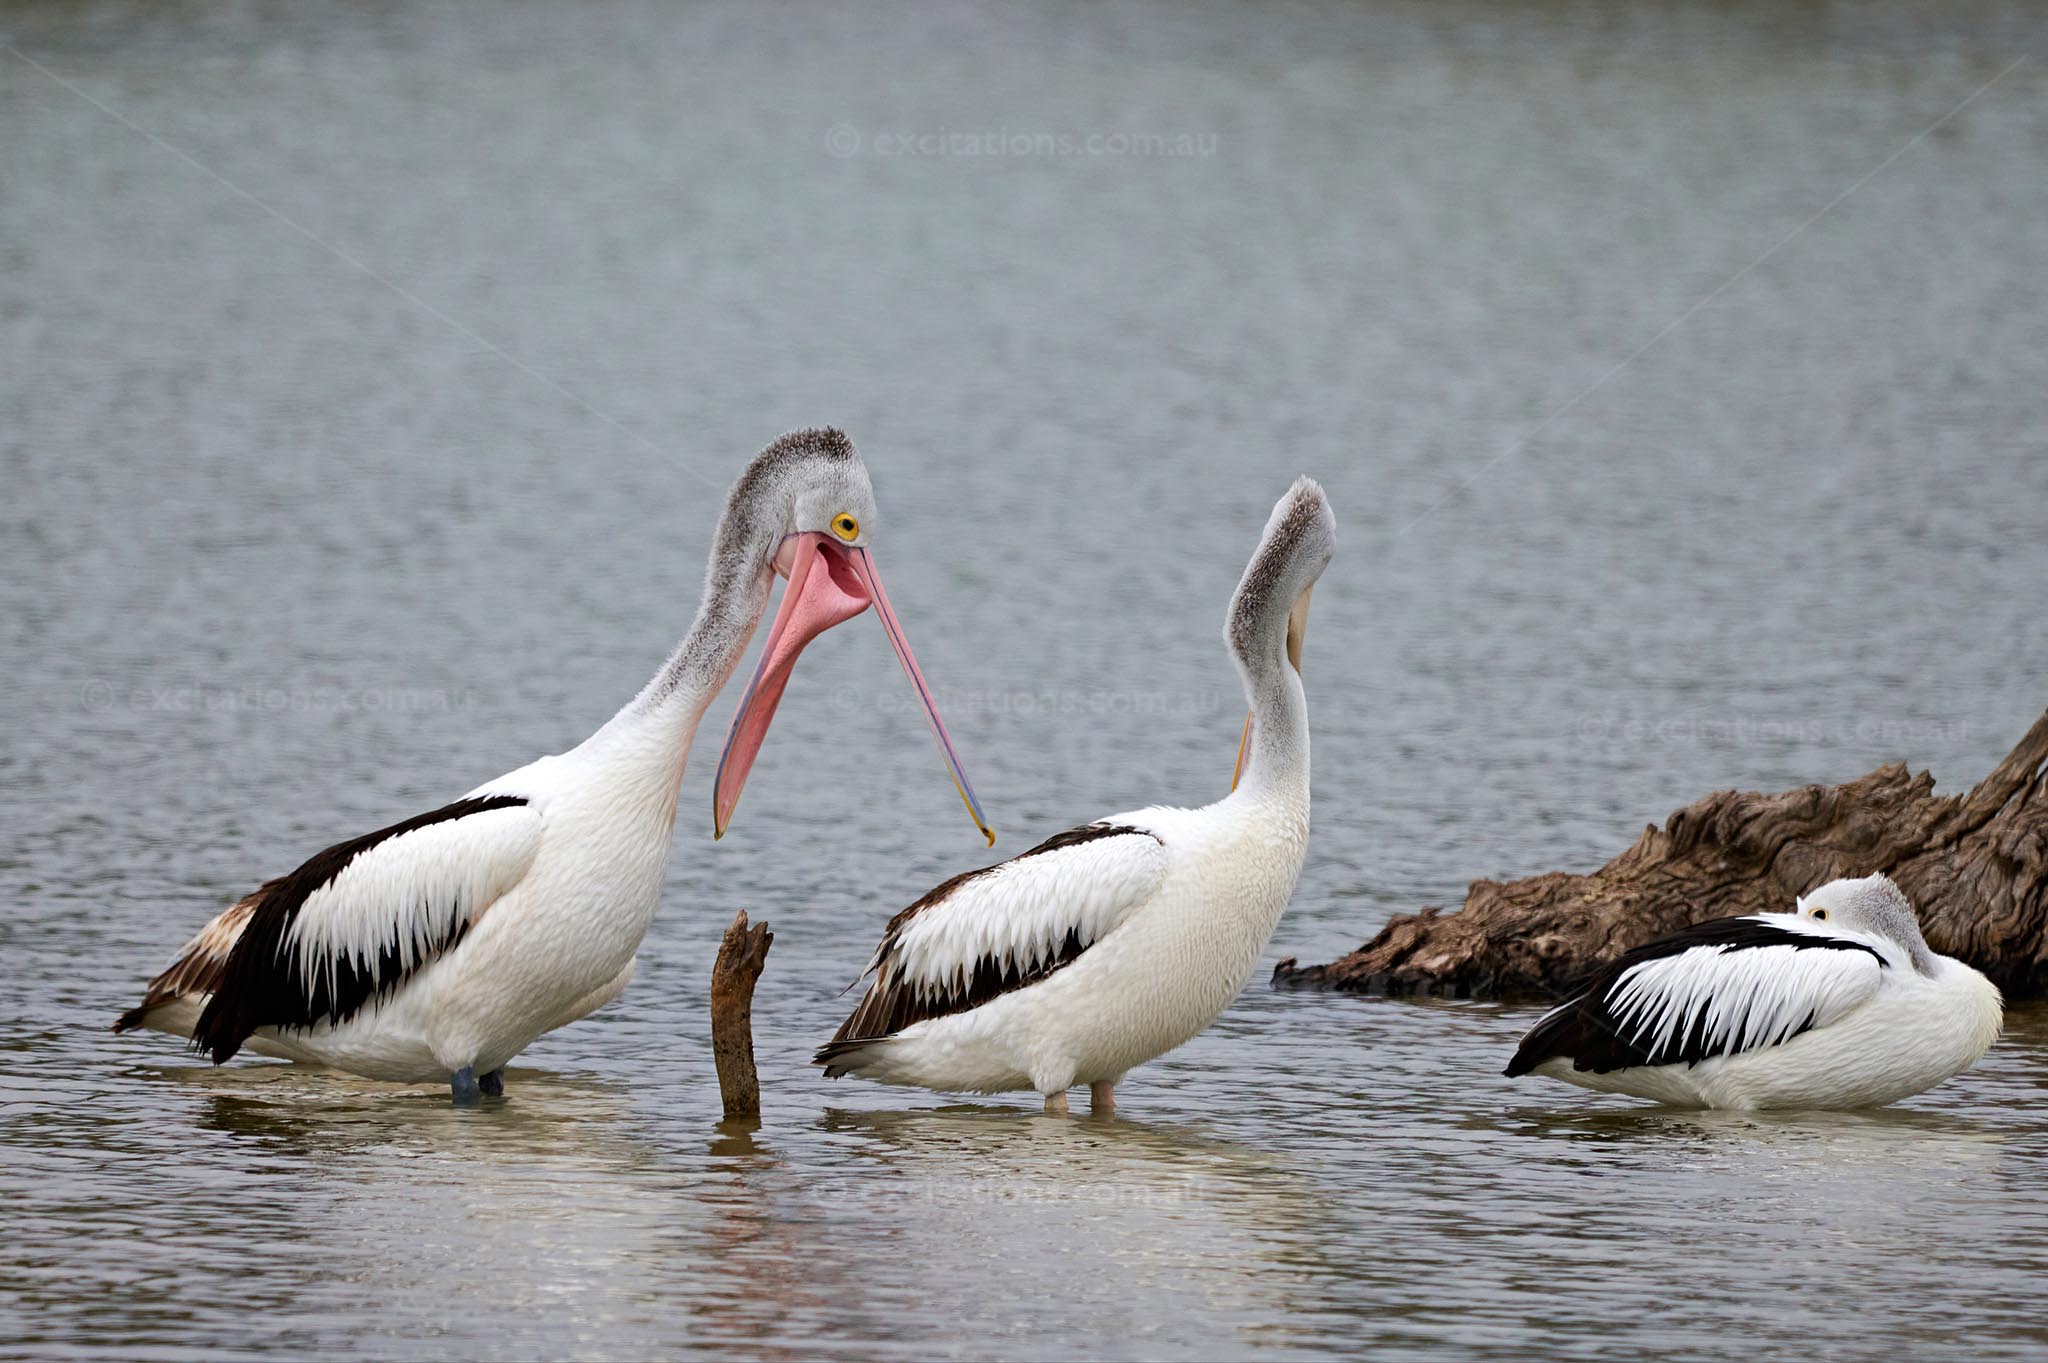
[
  {"x": 741, "y": 955},
  {"x": 1975, "y": 865}
]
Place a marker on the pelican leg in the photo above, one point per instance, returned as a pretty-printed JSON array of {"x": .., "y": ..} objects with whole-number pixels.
[
  {"x": 462, "y": 1086},
  {"x": 1102, "y": 1097},
  {"x": 492, "y": 1084},
  {"x": 1056, "y": 1104}
]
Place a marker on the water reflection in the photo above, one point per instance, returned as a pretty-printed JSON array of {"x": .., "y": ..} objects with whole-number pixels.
[
  {"x": 1878, "y": 1128},
  {"x": 988, "y": 1153},
  {"x": 1100, "y": 1206},
  {"x": 739, "y": 1264},
  {"x": 1758, "y": 1161},
  {"x": 736, "y": 1136}
]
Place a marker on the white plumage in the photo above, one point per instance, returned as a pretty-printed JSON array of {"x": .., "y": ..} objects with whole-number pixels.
[
  {"x": 1839, "y": 1004},
  {"x": 1022, "y": 911},
  {"x": 442, "y": 946},
  {"x": 413, "y": 893},
  {"x": 1114, "y": 942},
  {"x": 1744, "y": 1000}
]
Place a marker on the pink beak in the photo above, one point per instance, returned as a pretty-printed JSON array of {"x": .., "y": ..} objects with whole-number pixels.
[{"x": 828, "y": 583}]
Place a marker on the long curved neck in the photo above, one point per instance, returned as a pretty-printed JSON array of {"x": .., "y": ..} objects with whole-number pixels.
[
  {"x": 1267, "y": 613},
  {"x": 1276, "y": 767},
  {"x": 648, "y": 740}
]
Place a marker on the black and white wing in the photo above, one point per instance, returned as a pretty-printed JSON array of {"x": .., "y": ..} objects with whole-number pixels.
[
  {"x": 348, "y": 927},
  {"x": 1716, "y": 988},
  {"x": 985, "y": 933}
]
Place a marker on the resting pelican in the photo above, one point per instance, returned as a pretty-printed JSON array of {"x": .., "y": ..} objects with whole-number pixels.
[
  {"x": 441, "y": 946},
  {"x": 1114, "y": 942},
  {"x": 1839, "y": 1004}
]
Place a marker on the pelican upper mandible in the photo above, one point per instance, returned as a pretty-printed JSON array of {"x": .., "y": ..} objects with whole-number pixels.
[
  {"x": 441, "y": 946},
  {"x": 1114, "y": 942},
  {"x": 1838, "y": 1004}
]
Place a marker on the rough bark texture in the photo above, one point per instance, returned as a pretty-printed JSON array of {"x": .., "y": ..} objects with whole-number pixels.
[
  {"x": 741, "y": 955},
  {"x": 1975, "y": 865}
]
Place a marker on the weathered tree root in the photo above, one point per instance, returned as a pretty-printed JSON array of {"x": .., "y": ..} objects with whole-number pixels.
[
  {"x": 1975, "y": 866},
  {"x": 741, "y": 955}
]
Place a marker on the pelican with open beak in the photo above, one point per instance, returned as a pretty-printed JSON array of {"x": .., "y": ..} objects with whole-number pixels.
[
  {"x": 441, "y": 946},
  {"x": 832, "y": 578}
]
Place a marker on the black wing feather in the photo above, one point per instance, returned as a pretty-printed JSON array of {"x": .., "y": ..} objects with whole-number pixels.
[
  {"x": 261, "y": 984},
  {"x": 1585, "y": 1031},
  {"x": 885, "y": 1011}
]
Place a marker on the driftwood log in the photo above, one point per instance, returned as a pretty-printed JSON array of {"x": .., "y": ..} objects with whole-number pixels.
[
  {"x": 1975, "y": 866},
  {"x": 741, "y": 955}
]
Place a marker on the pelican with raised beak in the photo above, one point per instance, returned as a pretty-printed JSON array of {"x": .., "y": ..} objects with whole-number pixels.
[{"x": 1112, "y": 943}]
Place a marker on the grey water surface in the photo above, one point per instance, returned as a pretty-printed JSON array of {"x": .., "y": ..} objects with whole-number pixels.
[{"x": 369, "y": 377}]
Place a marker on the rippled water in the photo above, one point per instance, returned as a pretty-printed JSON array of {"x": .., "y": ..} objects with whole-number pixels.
[{"x": 367, "y": 381}]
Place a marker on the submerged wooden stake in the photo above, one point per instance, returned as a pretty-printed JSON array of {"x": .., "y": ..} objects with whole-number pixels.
[{"x": 740, "y": 957}]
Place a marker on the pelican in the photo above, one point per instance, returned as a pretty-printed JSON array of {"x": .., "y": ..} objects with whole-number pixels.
[
  {"x": 440, "y": 947},
  {"x": 1112, "y": 943},
  {"x": 1839, "y": 1004}
]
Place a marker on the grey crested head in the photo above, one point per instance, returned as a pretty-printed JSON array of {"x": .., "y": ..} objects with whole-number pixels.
[
  {"x": 803, "y": 511},
  {"x": 810, "y": 480},
  {"x": 1873, "y": 906},
  {"x": 1268, "y": 612}
]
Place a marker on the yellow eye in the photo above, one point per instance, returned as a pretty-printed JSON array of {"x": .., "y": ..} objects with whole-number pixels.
[
  {"x": 1820, "y": 913},
  {"x": 846, "y": 527}
]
